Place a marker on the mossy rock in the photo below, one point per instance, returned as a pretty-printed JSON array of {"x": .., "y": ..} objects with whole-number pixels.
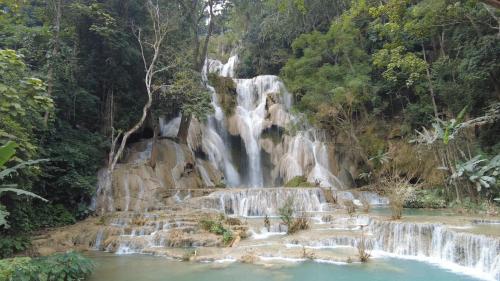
[
  {"x": 226, "y": 92},
  {"x": 299, "y": 181}
]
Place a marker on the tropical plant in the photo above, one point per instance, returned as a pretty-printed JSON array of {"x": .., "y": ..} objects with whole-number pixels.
[
  {"x": 70, "y": 266},
  {"x": 7, "y": 151},
  {"x": 480, "y": 171}
]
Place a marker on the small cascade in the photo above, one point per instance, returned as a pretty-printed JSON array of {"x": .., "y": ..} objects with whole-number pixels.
[
  {"x": 103, "y": 201},
  {"x": 98, "y": 239},
  {"x": 179, "y": 165},
  {"x": 170, "y": 128},
  {"x": 126, "y": 190},
  {"x": 204, "y": 174},
  {"x": 437, "y": 243},
  {"x": 306, "y": 155},
  {"x": 261, "y": 202}
]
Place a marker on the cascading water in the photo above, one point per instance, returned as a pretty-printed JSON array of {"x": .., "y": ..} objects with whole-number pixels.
[
  {"x": 264, "y": 102},
  {"x": 436, "y": 242},
  {"x": 170, "y": 128},
  {"x": 251, "y": 117},
  {"x": 214, "y": 141},
  {"x": 303, "y": 151},
  {"x": 261, "y": 202}
]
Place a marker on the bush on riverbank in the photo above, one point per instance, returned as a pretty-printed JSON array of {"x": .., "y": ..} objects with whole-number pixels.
[
  {"x": 217, "y": 227},
  {"x": 426, "y": 198},
  {"x": 292, "y": 223},
  {"x": 70, "y": 266}
]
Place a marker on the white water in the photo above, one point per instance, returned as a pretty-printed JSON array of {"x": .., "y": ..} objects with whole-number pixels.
[
  {"x": 263, "y": 102},
  {"x": 204, "y": 174},
  {"x": 261, "y": 202},
  {"x": 215, "y": 132},
  {"x": 170, "y": 128},
  {"x": 479, "y": 254},
  {"x": 250, "y": 115}
]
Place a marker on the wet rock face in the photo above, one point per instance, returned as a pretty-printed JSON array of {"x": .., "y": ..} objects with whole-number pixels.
[{"x": 137, "y": 186}]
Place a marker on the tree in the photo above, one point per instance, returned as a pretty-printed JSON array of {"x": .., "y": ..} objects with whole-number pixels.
[
  {"x": 160, "y": 27},
  {"x": 23, "y": 102},
  {"x": 195, "y": 12}
]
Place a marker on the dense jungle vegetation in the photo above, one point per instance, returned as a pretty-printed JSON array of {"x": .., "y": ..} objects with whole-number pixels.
[{"x": 412, "y": 86}]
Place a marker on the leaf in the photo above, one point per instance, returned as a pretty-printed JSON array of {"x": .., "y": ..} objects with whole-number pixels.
[
  {"x": 7, "y": 151},
  {"x": 21, "y": 192},
  {"x": 23, "y": 164}
]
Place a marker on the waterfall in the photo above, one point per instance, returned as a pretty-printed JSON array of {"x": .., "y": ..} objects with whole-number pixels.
[
  {"x": 306, "y": 155},
  {"x": 264, "y": 102},
  {"x": 250, "y": 115},
  {"x": 435, "y": 242},
  {"x": 204, "y": 174},
  {"x": 170, "y": 128},
  {"x": 261, "y": 202},
  {"x": 179, "y": 166},
  {"x": 214, "y": 141}
]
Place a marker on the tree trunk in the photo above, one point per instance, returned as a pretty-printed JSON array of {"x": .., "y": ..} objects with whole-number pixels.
[
  {"x": 184, "y": 128},
  {"x": 201, "y": 60},
  {"x": 160, "y": 28},
  {"x": 107, "y": 114},
  {"x": 429, "y": 80},
  {"x": 54, "y": 52}
]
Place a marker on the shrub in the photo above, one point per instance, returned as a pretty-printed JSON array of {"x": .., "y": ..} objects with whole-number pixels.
[
  {"x": 350, "y": 207},
  {"x": 398, "y": 189},
  {"x": 300, "y": 223},
  {"x": 286, "y": 212},
  {"x": 218, "y": 228},
  {"x": 8, "y": 266},
  {"x": 10, "y": 245},
  {"x": 70, "y": 266},
  {"x": 293, "y": 224},
  {"x": 364, "y": 255},
  {"x": 267, "y": 223},
  {"x": 426, "y": 198},
  {"x": 366, "y": 204},
  {"x": 227, "y": 237},
  {"x": 226, "y": 91}
]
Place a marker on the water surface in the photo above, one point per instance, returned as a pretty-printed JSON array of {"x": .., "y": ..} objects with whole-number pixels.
[{"x": 148, "y": 268}]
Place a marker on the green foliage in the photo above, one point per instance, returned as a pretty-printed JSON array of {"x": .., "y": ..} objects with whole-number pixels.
[
  {"x": 226, "y": 92},
  {"x": 217, "y": 227},
  {"x": 286, "y": 212},
  {"x": 23, "y": 102},
  {"x": 298, "y": 181},
  {"x": 482, "y": 172},
  {"x": 426, "y": 198},
  {"x": 7, "y": 151},
  {"x": 194, "y": 97},
  {"x": 293, "y": 224},
  {"x": 269, "y": 27},
  {"x": 9, "y": 245},
  {"x": 227, "y": 237},
  {"x": 330, "y": 69},
  {"x": 9, "y": 266},
  {"x": 69, "y": 266}
]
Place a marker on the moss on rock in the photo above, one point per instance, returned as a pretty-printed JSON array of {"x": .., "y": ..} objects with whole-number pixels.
[{"x": 299, "y": 181}]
